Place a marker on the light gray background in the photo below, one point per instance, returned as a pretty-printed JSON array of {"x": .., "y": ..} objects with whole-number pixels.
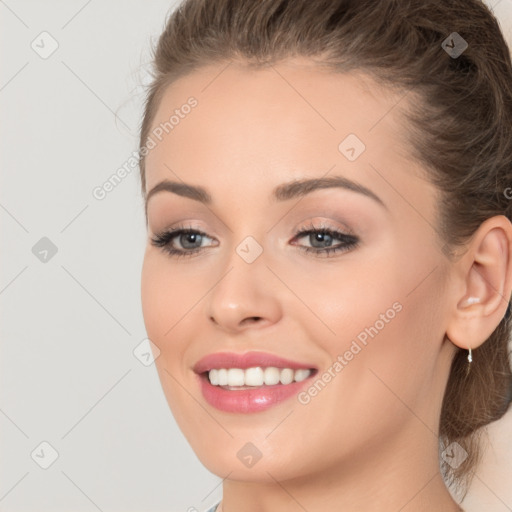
[{"x": 70, "y": 325}]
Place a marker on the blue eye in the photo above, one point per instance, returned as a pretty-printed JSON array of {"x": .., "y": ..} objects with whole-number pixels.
[
  {"x": 322, "y": 240},
  {"x": 191, "y": 241}
]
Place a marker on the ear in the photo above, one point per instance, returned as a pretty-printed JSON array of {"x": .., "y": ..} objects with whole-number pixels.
[{"x": 483, "y": 284}]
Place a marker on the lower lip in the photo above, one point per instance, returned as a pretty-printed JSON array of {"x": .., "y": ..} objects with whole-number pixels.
[{"x": 249, "y": 400}]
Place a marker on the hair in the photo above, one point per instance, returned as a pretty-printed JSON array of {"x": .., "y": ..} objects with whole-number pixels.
[{"x": 459, "y": 128}]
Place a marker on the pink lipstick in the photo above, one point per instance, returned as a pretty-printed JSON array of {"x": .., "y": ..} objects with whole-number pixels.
[{"x": 250, "y": 382}]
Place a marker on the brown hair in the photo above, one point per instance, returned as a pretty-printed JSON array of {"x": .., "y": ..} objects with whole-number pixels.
[{"x": 459, "y": 122}]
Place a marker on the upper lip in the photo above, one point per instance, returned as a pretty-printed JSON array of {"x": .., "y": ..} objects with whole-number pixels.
[{"x": 247, "y": 360}]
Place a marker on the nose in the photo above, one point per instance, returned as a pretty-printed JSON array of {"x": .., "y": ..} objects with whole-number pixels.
[{"x": 244, "y": 297}]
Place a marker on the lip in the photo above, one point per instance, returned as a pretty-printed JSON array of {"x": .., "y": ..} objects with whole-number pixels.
[{"x": 250, "y": 400}]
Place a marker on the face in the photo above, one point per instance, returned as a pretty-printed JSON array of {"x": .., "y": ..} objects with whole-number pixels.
[{"x": 311, "y": 251}]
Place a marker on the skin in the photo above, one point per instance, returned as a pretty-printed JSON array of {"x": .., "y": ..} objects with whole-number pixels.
[{"x": 369, "y": 440}]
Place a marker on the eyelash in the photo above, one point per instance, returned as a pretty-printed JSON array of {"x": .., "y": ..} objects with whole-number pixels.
[{"x": 347, "y": 241}]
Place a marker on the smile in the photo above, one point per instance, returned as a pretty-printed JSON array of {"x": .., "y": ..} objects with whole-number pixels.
[{"x": 250, "y": 382}]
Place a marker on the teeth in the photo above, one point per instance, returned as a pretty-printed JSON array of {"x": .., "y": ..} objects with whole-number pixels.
[
  {"x": 301, "y": 375},
  {"x": 271, "y": 376},
  {"x": 223, "y": 377},
  {"x": 252, "y": 377},
  {"x": 287, "y": 375},
  {"x": 236, "y": 377},
  {"x": 256, "y": 376}
]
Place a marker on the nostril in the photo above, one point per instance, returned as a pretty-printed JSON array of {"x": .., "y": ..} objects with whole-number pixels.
[{"x": 252, "y": 319}]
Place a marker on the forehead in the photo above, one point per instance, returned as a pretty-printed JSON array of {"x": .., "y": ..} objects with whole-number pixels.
[{"x": 293, "y": 117}]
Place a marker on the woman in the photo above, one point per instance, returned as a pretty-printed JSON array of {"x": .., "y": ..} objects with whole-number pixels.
[{"x": 328, "y": 265}]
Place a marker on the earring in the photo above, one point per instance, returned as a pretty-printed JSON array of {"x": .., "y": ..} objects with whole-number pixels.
[
  {"x": 470, "y": 360},
  {"x": 472, "y": 300}
]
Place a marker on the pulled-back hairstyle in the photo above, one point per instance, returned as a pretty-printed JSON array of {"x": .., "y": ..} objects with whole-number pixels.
[{"x": 459, "y": 128}]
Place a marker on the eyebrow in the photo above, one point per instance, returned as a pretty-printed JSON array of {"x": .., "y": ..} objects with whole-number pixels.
[{"x": 284, "y": 192}]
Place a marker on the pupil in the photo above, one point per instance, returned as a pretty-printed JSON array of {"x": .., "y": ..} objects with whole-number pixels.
[
  {"x": 321, "y": 237},
  {"x": 188, "y": 239}
]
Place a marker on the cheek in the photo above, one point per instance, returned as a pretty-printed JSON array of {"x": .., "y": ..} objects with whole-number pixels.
[
  {"x": 166, "y": 298},
  {"x": 166, "y": 307},
  {"x": 171, "y": 299},
  {"x": 382, "y": 310},
  {"x": 156, "y": 304},
  {"x": 338, "y": 299},
  {"x": 165, "y": 304}
]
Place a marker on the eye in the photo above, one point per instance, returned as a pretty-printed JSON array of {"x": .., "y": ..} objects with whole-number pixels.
[
  {"x": 322, "y": 240},
  {"x": 191, "y": 241}
]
